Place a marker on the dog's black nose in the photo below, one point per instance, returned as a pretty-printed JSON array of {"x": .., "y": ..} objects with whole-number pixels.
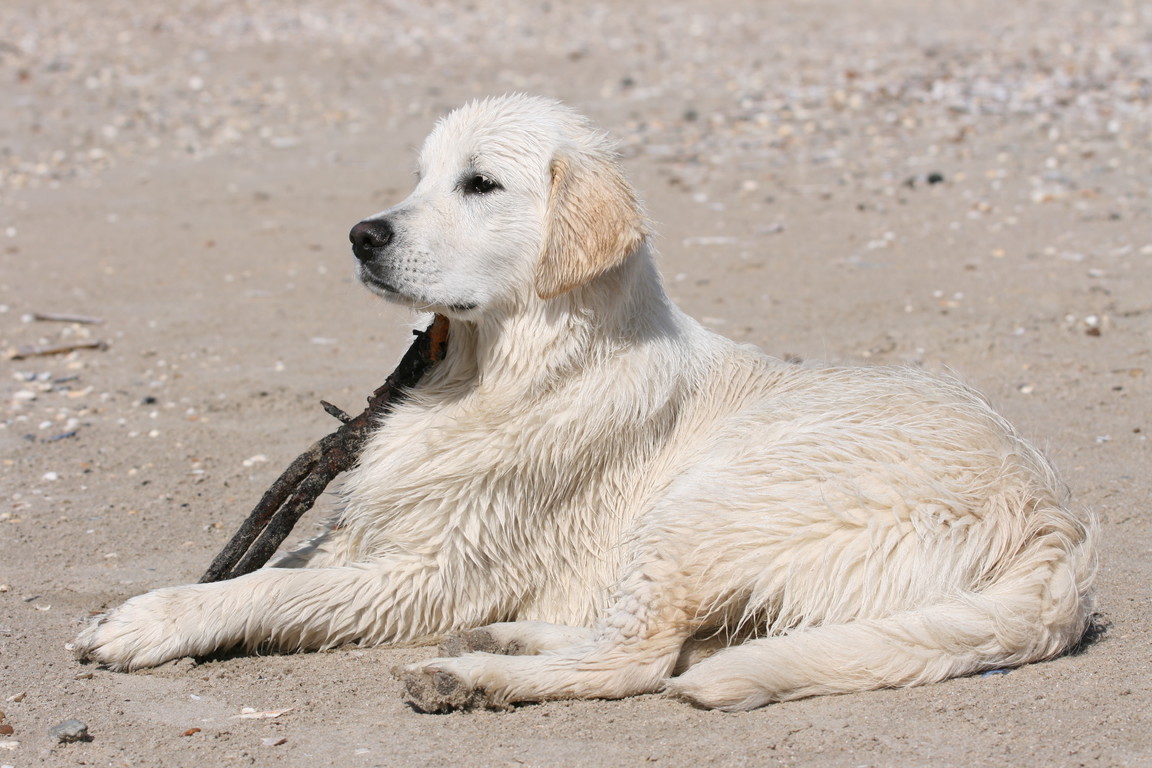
[{"x": 369, "y": 236}]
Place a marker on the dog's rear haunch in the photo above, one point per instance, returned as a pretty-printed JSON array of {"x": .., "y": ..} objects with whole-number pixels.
[{"x": 637, "y": 503}]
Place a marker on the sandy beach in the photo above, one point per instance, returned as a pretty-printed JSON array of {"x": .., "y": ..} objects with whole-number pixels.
[{"x": 963, "y": 187}]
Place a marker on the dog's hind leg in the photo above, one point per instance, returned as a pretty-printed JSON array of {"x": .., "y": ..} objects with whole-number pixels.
[
  {"x": 630, "y": 652},
  {"x": 1037, "y": 610},
  {"x": 514, "y": 638}
]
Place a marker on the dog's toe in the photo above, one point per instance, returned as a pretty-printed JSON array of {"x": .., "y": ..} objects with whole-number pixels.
[
  {"x": 433, "y": 690},
  {"x": 471, "y": 640}
]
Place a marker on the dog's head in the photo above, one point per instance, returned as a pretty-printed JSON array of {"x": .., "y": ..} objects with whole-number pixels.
[{"x": 519, "y": 199}]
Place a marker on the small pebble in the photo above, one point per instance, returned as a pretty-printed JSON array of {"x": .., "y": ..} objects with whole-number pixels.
[{"x": 69, "y": 731}]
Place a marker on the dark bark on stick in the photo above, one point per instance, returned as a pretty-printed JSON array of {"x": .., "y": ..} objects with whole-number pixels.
[{"x": 297, "y": 489}]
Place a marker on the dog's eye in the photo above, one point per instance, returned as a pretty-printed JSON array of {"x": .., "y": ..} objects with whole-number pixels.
[{"x": 479, "y": 184}]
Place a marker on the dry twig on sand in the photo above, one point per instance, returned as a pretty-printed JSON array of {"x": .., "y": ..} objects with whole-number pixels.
[
  {"x": 295, "y": 491},
  {"x": 42, "y": 350},
  {"x": 57, "y": 317}
]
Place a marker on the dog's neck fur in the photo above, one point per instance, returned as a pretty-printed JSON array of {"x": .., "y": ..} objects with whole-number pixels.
[{"x": 542, "y": 343}]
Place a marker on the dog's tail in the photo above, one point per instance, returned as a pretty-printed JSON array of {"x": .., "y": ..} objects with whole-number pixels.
[{"x": 1037, "y": 608}]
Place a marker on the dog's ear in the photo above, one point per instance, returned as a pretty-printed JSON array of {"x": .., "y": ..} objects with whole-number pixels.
[{"x": 594, "y": 222}]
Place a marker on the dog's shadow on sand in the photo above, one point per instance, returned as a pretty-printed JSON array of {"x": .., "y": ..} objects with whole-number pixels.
[{"x": 1099, "y": 626}]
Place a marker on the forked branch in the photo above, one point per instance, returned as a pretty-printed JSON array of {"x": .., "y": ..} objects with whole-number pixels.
[{"x": 297, "y": 489}]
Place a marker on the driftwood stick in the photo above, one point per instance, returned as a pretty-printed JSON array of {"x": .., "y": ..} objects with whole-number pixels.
[
  {"x": 62, "y": 348},
  {"x": 335, "y": 412},
  {"x": 272, "y": 500},
  {"x": 297, "y": 489}
]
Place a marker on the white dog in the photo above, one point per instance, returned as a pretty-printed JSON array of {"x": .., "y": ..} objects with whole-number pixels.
[{"x": 641, "y": 504}]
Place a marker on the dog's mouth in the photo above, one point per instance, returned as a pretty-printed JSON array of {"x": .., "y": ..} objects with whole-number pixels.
[
  {"x": 390, "y": 292},
  {"x": 387, "y": 290},
  {"x": 378, "y": 286}
]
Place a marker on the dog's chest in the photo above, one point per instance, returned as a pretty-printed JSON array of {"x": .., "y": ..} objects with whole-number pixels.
[{"x": 542, "y": 483}]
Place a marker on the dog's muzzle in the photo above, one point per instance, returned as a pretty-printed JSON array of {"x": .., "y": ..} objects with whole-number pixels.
[{"x": 369, "y": 238}]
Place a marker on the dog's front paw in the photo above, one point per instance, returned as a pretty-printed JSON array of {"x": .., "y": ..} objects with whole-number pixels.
[
  {"x": 143, "y": 632},
  {"x": 438, "y": 686}
]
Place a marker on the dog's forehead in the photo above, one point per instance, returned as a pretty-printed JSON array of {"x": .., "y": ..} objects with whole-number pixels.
[{"x": 495, "y": 135}]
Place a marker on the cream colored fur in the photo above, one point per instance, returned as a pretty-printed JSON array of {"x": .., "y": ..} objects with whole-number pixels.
[{"x": 633, "y": 503}]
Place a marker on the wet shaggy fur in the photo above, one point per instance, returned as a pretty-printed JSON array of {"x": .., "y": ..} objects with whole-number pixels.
[{"x": 593, "y": 496}]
